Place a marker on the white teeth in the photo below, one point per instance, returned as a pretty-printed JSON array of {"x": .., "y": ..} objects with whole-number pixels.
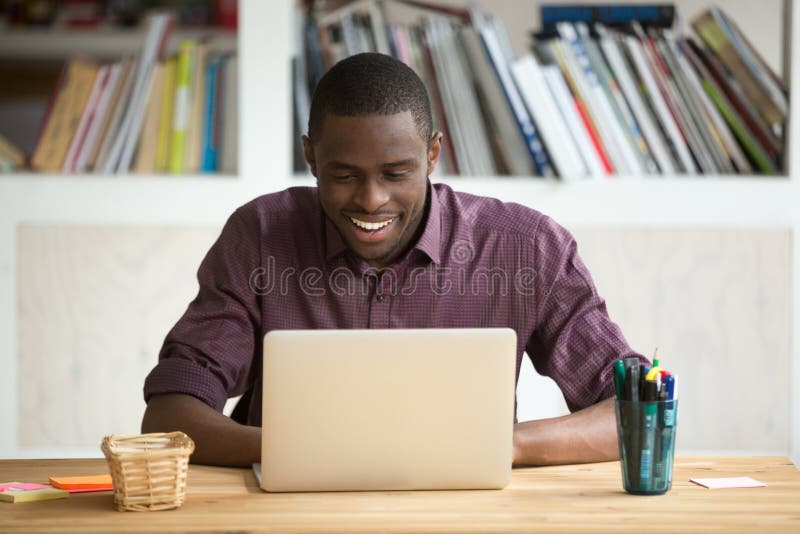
[{"x": 370, "y": 225}]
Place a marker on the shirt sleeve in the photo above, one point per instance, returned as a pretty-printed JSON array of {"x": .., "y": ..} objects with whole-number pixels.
[
  {"x": 209, "y": 353},
  {"x": 575, "y": 342}
]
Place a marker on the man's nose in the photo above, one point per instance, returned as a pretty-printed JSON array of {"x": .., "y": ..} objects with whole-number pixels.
[{"x": 372, "y": 194}]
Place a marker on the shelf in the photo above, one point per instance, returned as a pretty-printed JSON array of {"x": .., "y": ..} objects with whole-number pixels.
[
  {"x": 116, "y": 178},
  {"x": 47, "y": 44},
  {"x": 127, "y": 199}
]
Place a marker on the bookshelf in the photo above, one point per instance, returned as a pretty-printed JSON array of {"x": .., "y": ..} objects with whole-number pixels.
[
  {"x": 57, "y": 44},
  {"x": 264, "y": 43}
]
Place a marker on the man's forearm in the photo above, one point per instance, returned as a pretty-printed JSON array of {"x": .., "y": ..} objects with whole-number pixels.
[
  {"x": 589, "y": 435},
  {"x": 218, "y": 439}
]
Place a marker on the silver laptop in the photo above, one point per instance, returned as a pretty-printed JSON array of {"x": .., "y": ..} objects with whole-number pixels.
[{"x": 353, "y": 410}]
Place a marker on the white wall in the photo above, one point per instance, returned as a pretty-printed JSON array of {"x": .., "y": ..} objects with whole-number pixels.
[{"x": 95, "y": 303}]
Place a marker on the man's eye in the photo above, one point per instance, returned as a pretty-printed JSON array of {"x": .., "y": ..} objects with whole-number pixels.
[
  {"x": 399, "y": 174},
  {"x": 343, "y": 177}
]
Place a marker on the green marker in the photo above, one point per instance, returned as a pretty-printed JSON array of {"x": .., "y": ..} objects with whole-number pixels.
[{"x": 619, "y": 379}]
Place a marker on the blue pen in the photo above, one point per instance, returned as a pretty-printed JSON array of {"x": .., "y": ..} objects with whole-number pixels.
[
  {"x": 659, "y": 453},
  {"x": 668, "y": 430}
]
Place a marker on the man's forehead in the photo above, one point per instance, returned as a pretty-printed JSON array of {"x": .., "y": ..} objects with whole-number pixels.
[
  {"x": 390, "y": 138},
  {"x": 402, "y": 120}
]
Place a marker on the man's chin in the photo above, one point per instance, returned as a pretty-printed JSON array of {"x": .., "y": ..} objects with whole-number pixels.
[{"x": 373, "y": 256}]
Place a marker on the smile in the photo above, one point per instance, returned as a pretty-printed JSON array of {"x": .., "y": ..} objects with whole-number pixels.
[{"x": 370, "y": 226}]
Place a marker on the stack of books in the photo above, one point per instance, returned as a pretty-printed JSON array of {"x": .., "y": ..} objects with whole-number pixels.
[
  {"x": 604, "y": 91},
  {"x": 144, "y": 114}
]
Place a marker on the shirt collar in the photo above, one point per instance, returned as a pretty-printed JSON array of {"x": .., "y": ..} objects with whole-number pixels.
[{"x": 429, "y": 242}]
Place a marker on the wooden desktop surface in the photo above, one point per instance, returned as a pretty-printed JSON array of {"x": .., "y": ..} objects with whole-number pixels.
[{"x": 571, "y": 498}]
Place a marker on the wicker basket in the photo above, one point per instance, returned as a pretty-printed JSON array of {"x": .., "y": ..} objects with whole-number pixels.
[{"x": 149, "y": 471}]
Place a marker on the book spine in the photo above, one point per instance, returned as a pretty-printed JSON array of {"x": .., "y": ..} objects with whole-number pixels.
[
  {"x": 639, "y": 109},
  {"x": 750, "y": 145},
  {"x": 148, "y": 134},
  {"x": 165, "y": 116},
  {"x": 716, "y": 39},
  {"x": 87, "y": 118},
  {"x": 182, "y": 99},
  {"x": 739, "y": 43},
  {"x": 697, "y": 113},
  {"x": 229, "y": 145},
  {"x": 613, "y": 15},
  {"x": 121, "y": 152},
  {"x": 510, "y": 144},
  {"x": 526, "y": 126},
  {"x": 194, "y": 133},
  {"x": 568, "y": 110},
  {"x": 618, "y": 104},
  {"x": 210, "y": 123},
  {"x": 63, "y": 120},
  {"x": 747, "y": 113},
  {"x": 119, "y": 104},
  {"x": 440, "y": 120},
  {"x": 544, "y": 109},
  {"x": 11, "y": 153},
  {"x": 733, "y": 149},
  {"x": 90, "y": 145},
  {"x": 662, "y": 112},
  {"x": 760, "y": 158},
  {"x": 680, "y": 110},
  {"x": 618, "y": 146},
  {"x": 571, "y": 73}
]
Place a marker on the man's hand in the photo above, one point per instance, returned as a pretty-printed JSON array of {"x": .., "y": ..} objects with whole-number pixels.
[
  {"x": 589, "y": 435},
  {"x": 218, "y": 439}
]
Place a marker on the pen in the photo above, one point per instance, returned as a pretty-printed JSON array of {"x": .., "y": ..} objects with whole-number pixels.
[
  {"x": 668, "y": 428},
  {"x": 619, "y": 379},
  {"x": 632, "y": 379},
  {"x": 630, "y": 420},
  {"x": 660, "y": 454},
  {"x": 648, "y": 435},
  {"x": 653, "y": 373},
  {"x": 643, "y": 370}
]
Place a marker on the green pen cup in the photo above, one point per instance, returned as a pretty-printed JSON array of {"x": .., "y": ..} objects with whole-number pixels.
[{"x": 646, "y": 437}]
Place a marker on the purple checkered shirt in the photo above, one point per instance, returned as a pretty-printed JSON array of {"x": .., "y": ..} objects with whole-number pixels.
[{"x": 279, "y": 263}]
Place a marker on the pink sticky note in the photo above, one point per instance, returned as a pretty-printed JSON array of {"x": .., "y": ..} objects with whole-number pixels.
[
  {"x": 730, "y": 482},
  {"x": 21, "y": 486}
]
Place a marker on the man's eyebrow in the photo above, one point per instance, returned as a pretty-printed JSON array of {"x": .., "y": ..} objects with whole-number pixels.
[
  {"x": 341, "y": 165},
  {"x": 401, "y": 163}
]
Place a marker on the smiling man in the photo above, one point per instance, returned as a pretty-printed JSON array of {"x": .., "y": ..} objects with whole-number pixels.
[{"x": 376, "y": 245}]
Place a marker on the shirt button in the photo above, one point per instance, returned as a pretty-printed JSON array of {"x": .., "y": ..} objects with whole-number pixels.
[{"x": 381, "y": 298}]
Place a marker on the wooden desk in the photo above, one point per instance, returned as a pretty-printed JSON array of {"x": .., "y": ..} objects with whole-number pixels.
[{"x": 562, "y": 499}]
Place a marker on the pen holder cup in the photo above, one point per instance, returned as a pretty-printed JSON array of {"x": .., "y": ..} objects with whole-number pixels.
[
  {"x": 646, "y": 437},
  {"x": 149, "y": 471}
]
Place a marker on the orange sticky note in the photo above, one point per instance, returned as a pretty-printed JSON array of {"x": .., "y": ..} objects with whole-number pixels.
[{"x": 85, "y": 482}]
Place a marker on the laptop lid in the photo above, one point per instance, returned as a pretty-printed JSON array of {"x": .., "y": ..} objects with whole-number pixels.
[{"x": 350, "y": 410}]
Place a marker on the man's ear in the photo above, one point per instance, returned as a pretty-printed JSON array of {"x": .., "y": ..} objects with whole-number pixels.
[
  {"x": 434, "y": 151},
  {"x": 308, "y": 152}
]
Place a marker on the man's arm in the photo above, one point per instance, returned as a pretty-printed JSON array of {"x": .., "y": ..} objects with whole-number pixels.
[
  {"x": 585, "y": 436},
  {"x": 218, "y": 439}
]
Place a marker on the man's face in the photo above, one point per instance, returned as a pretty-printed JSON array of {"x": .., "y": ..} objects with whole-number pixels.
[{"x": 372, "y": 177}]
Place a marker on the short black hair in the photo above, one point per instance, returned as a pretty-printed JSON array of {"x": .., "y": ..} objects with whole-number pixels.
[{"x": 370, "y": 84}]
